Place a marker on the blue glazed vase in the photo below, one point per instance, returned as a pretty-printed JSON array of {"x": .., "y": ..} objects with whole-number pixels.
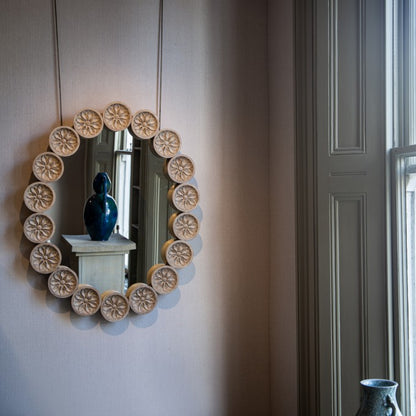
[
  {"x": 378, "y": 398},
  {"x": 100, "y": 211}
]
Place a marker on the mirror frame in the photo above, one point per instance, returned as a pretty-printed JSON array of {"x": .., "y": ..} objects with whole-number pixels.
[{"x": 177, "y": 253}]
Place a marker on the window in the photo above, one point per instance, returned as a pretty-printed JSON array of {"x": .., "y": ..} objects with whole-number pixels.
[
  {"x": 123, "y": 145},
  {"x": 401, "y": 67},
  {"x": 404, "y": 236}
]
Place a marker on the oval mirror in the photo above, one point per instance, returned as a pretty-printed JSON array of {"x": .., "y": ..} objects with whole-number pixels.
[{"x": 150, "y": 183}]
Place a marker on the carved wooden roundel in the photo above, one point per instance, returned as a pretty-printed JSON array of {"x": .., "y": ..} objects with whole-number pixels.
[{"x": 45, "y": 258}]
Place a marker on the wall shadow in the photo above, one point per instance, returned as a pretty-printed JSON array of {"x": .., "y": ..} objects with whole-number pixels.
[{"x": 236, "y": 42}]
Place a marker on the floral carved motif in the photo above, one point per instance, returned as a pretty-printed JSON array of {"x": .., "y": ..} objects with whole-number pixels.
[
  {"x": 86, "y": 300},
  {"x": 117, "y": 116},
  {"x": 48, "y": 167},
  {"x": 64, "y": 141},
  {"x": 184, "y": 226},
  {"x": 185, "y": 197},
  {"x": 181, "y": 169},
  {"x": 38, "y": 228},
  {"x": 177, "y": 253},
  {"x": 114, "y": 306},
  {"x": 45, "y": 258},
  {"x": 39, "y": 197},
  {"x": 144, "y": 124},
  {"x": 63, "y": 282},
  {"x": 142, "y": 298},
  {"x": 88, "y": 123},
  {"x": 164, "y": 279},
  {"x": 167, "y": 143}
]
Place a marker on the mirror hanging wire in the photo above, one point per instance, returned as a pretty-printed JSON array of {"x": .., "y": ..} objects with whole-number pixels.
[
  {"x": 57, "y": 58},
  {"x": 159, "y": 63},
  {"x": 159, "y": 60}
]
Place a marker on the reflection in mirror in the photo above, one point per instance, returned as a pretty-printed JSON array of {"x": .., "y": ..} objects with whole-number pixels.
[{"x": 140, "y": 189}]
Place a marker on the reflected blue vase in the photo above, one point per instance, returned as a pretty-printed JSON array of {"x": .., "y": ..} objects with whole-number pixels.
[
  {"x": 100, "y": 211},
  {"x": 378, "y": 398}
]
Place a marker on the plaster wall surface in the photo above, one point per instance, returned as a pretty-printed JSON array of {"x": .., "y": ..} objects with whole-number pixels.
[{"x": 205, "y": 349}]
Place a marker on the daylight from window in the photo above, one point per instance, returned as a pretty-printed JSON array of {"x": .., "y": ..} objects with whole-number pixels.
[{"x": 411, "y": 279}]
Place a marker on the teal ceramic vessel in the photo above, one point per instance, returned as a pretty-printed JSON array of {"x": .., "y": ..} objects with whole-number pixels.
[
  {"x": 100, "y": 211},
  {"x": 378, "y": 398}
]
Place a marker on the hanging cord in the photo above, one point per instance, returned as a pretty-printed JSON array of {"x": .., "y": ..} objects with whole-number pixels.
[
  {"x": 57, "y": 58},
  {"x": 159, "y": 63}
]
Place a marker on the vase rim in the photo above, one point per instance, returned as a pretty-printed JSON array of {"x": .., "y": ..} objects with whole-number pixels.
[{"x": 378, "y": 383}]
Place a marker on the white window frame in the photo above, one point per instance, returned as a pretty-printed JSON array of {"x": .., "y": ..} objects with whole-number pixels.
[
  {"x": 403, "y": 328},
  {"x": 401, "y": 139}
]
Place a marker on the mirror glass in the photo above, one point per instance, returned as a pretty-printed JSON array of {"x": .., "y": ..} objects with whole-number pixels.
[{"x": 139, "y": 186}]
